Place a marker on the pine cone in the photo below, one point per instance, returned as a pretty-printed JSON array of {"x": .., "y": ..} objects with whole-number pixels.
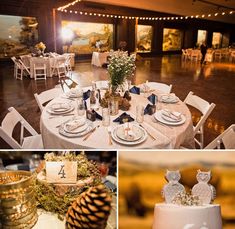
[{"x": 90, "y": 210}]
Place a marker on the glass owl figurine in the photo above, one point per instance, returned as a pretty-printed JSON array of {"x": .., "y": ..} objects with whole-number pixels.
[
  {"x": 206, "y": 192},
  {"x": 173, "y": 186}
]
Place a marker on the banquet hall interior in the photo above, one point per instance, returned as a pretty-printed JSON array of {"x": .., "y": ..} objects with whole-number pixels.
[{"x": 63, "y": 45}]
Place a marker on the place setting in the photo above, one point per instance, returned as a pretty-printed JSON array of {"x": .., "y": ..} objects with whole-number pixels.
[
  {"x": 169, "y": 98},
  {"x": 171, "y": 118},
  {"x": 76, "y": 127},
  {"x": 129, "y": 134},
  {"x": 60, "y": 109},
  {"x": 73, "y": 94}
]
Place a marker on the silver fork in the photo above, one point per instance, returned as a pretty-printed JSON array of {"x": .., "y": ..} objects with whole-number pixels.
[{"x": 109, "y": 129}]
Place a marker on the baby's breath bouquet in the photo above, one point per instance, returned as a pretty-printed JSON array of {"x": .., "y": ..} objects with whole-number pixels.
[{"x": 120, "y": 67}]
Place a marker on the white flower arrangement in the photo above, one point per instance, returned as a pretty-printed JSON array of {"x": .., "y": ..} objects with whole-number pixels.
[{"x": 121, "y": 66}]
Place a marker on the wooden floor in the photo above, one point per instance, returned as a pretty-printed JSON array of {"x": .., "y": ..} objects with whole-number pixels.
[{"x": 214, "y": 82}]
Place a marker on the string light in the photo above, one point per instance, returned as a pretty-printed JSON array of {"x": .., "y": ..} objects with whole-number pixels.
[
  {"x": 209, "y": 15},
  {"x": 68, "y": 5}
]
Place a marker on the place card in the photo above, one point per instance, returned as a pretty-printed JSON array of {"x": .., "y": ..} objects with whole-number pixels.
[{"x": 63, "y": 172}]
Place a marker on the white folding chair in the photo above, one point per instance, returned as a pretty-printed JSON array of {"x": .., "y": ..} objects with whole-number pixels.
[
  {"x": 26, "y": 60},
  {"x": 7, "y": 127},
  {"x": 46, "y": 96},
  {"x": 19, "y": 68},
  {"x": 39, "y": 68},
  {"x": 68, "y": 65},
  {"x": 205, "y": 108},
  {"x": 164, "y": 88},
  {"x": 227, "y": 138},
  {"x": 59, "y": 67}
]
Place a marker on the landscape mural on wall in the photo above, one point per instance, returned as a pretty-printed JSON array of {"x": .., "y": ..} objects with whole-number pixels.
[
  {"x": 216, "y": 40},
  {"x": 87, "y": 37},
  {"x": 172, "y": 39},
  {"x": 18, "y": 35},
  {"x": 201, "y": 37},
  {"x": 144, "y": 38}
]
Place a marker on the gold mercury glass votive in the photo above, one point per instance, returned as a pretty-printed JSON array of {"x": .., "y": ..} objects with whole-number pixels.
[{"x": 17, "y": 200}]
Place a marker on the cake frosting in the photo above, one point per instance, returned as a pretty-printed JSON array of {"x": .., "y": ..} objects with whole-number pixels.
[{"x": 172, "y": 216}]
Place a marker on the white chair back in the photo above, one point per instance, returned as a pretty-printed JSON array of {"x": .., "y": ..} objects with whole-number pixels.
[
  {"x": 26, "y": 60},
  {"x": 46, "y": 96},
  {"x": 61, "y": 67},
  {"x": 164, "y": 88},
  {"x": 39, "y": 68},
  {"x": 227, "y": 138},
  {"x": 9, "y": 123},
  {"x": 205, "y": 108}
]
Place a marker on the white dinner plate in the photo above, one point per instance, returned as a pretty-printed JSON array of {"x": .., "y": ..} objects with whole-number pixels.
[
  {"x": 158, "y": 115},
  {"x": 79, "y": 129},
  {"x": 51, "y": 109},
  {"x": 169, "y": 99},
  {"x": 137, "y": 133},
  {"x": 89, "y": 128},
  {"x": 124, "y": 142},
  {"x": 169, "y": 119}
]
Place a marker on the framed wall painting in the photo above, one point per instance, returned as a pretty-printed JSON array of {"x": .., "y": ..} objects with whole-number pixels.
[
  {"x": 87, "y": 37},
  {"x": 172, "y": 39},
  {"x": 201, "y": 36},
  {"x": 144, "y": 38},
  {"x": 18, "y": 35}
]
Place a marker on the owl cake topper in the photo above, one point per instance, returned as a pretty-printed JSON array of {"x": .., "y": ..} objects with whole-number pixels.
[
  {"x": 206, "y": 192},
  {"x": 202, "y": 192},
  {"x": 171, "y": 189}
]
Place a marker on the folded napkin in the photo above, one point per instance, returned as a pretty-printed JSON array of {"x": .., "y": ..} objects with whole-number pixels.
[
  {"x": 150, "y": 109},
  {"x": 128, "y": 132},
  {"x": 174, "y": 115},
  {"x": 124, "y": 117},
  {"x": 135, "y": 90},
  {"x": 60, "y": 106},
  {"x": 153, "y": 98},
  {"x": 74, "y": 124},
  {"x": 169, "y": 97},
  {"x": 86, "y": 95}
]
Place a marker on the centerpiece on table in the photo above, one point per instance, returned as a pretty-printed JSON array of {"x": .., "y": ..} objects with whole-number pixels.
[
  {"x": 120, "y": 68},
  {"x": 40, "y": 48}
]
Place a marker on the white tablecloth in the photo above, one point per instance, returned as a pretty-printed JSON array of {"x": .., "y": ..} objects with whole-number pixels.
[
  {"x": 167, "y": 138},
  {"x": 99, "y": 58},
  {"x": 49, "y": 61}
]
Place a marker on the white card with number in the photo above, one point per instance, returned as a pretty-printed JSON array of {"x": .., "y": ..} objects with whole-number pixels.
[{"x": 63, "y": 172}]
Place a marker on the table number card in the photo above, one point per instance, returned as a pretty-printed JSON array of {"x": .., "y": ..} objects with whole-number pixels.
[{"x": 64, "y": 172}]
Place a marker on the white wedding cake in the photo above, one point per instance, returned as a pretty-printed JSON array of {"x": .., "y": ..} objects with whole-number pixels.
[
  {"x": 187, "y": 211},
  {"x": 172, "y": 216}
]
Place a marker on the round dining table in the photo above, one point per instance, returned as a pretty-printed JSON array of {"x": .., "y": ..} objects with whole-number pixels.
[{"x": 159, "y": 136}]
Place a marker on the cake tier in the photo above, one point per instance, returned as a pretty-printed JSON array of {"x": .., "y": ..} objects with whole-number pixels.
[{"x": 170, "y": 216}]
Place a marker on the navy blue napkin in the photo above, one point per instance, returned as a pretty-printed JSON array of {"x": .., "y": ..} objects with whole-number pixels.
[
  {"x": 97, "y": 115},
  {"x": 122, "y": 117},
  {"x": 85, "y": 104},
  {"x": 153, "y": 98},
  {"x": 135, "y": 90},
  {"x": 146, "y": 109},
  {"x": 86, "y": 95}
]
